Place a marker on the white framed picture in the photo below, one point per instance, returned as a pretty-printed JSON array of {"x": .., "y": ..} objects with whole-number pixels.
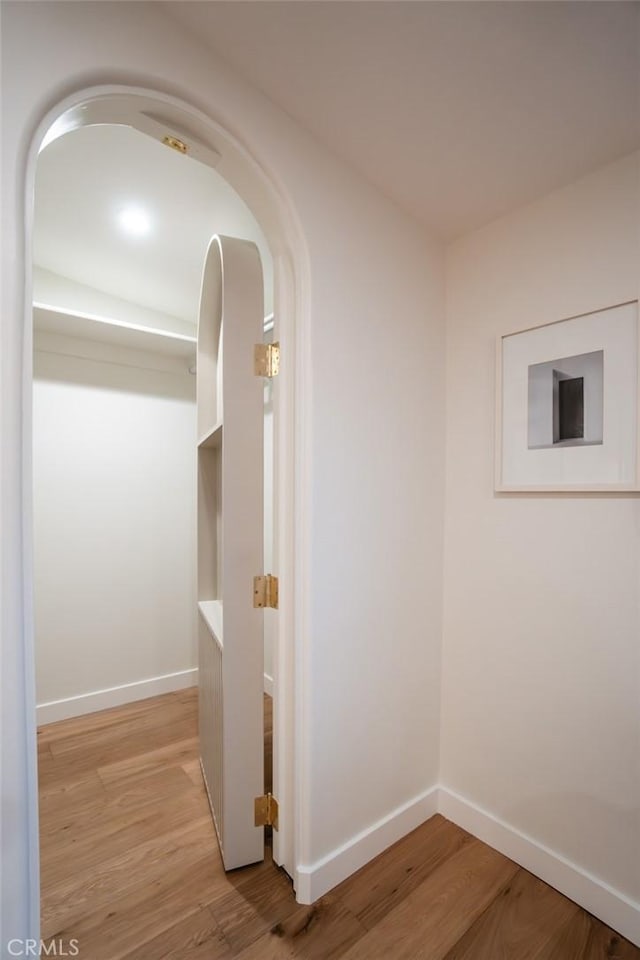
[{"x": 567, "y": 404}]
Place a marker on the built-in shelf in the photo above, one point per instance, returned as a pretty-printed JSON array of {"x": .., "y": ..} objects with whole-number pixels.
[
  {"x": 213, "y": 438},
  {"x": 211, "y": 613},
  {"x": 87, "y": 326}
]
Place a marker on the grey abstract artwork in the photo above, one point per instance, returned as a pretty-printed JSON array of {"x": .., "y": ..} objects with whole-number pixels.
[{"x": 565, "y": 402}]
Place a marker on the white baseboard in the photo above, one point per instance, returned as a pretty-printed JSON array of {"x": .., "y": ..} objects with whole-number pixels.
[
  {"x": 609, "y": 905},
  {"x": 315, "y": 880},
  {"x": 268, "y": 684},
  {"x": 114, "y": 696}
]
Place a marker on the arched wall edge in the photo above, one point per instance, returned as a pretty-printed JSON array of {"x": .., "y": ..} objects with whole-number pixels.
[{"x": 266, "y": 198}]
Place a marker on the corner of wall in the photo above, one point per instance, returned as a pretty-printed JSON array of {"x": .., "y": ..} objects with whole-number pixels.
[
  {"x": 594, "y": 895},
  {"x": 316, "y": 879}
]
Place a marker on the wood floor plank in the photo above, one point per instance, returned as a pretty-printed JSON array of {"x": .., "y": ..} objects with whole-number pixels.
[
  {"x": 587, "y": 938},
  {"x": 165, "y": 782},
  {"x": 70, "y": 821},
  {"x": 379, "y": 886},
  {"x": 65, "y": 795},
  {"x": 102, "y": 750},
  {"x": 521, "y": 922},
  {"x": 250, "y": 906},
  {"x": 268, "y": 947},
  {"x": 109, "y": 838},
  {"x": 572, "y": 941},
  {"x": 131, "y": 758},
  {"x": 104, "y": 719},
  {"x": 197, "y": 937},
  {"x": 148, "y": 731},
  {"x": 55, "y": 774},
  {"x": 133, "y": 767},
  {"x": 100, "y": 884},
  {"x": 431, "y": 920},
  {"x": 144, "y": 912},
  {"x": 606, "y": 943},
  {"x": 323, "y": 931},
  {"x": 188, "y": 694}
]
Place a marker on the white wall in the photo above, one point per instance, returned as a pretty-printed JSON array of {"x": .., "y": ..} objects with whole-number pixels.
[
  {"x": 114, "y": 502},
  {"x": 377, "y": 531},
  {"x": 370, "y": 402},
  {"x": 541, "y": 673}
]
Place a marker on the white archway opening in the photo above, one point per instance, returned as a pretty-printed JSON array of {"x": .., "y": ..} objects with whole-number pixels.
[{"x": 160, "y": 115}]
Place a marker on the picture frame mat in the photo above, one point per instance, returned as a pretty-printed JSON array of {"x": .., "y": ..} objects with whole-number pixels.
[{"x": 560, "y": 488}]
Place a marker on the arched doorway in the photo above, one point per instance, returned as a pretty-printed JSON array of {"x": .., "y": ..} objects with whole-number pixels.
[{"x": 163, "y": 116}]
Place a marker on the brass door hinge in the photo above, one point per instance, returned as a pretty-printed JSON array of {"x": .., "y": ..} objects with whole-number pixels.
[
  {"x": 266, "y": 811},
  {"x": 265, "y": 591},
  {"x": 266, "y": 359}
]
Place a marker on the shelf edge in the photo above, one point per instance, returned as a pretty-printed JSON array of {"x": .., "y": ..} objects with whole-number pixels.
[
  {"x": 109, "y": 321},
  {"x": 212, "y": 438},
  {"x": 211, "y": 613}
]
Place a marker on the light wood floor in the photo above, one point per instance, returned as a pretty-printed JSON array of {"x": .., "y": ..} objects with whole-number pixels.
[{"x": 131, "y": 869}]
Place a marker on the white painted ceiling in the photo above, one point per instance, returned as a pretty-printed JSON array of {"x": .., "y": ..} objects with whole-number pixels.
[
  {"x": 459, "y": 111},
  {"x": 85, "y": 178}
]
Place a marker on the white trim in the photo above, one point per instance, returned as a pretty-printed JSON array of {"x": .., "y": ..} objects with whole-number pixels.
[
  {"x": 315, "y": 880},
  {"x": 291, "y": 550},
  {"x": 299, "y": 667},
  {"x": 609, "y": 905},
  {"x": 268, "y": 684},
  {"x": 114, "y": 696}
]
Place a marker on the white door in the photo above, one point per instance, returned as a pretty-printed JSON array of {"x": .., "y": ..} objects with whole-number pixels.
[{"x": 230, "y": 544}]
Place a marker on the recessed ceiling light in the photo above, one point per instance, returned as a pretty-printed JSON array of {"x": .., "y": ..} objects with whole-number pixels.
[{"x": 135, "y": 220}]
